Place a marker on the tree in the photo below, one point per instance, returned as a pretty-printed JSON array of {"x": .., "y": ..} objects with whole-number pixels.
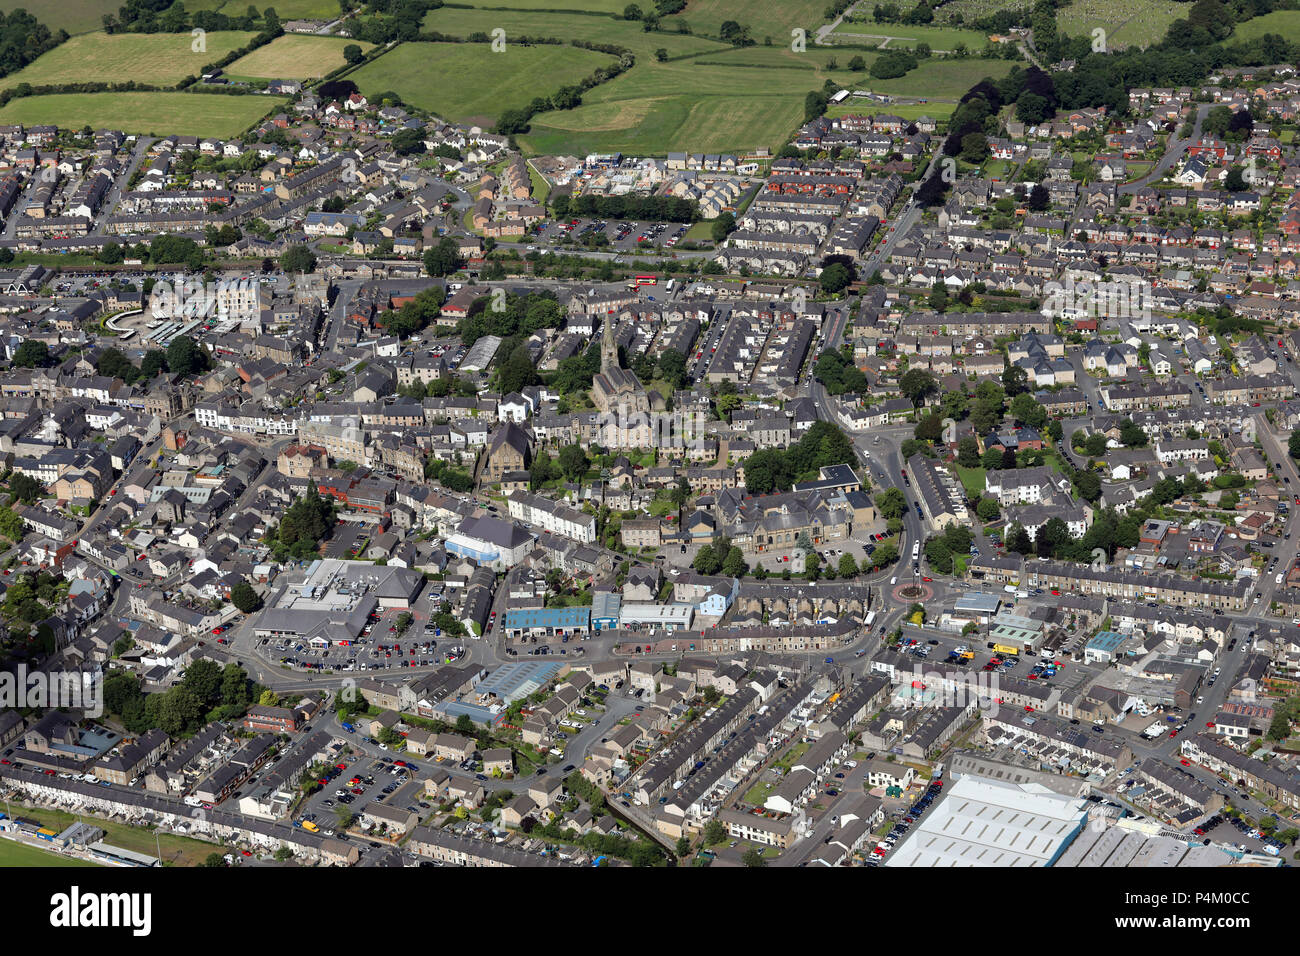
[
  {"x": 722, "y": 227},
  {"x": 1039, "y": 198},
  {"x": 465, "y": 725},
  {"x": 442, "y": 259},
  {"x": 353, "y": 54},
  {"x": 968, "y": 452},
  {"x": 244, "y": 597},
  {"x": 891, "y": 503},
  {"x": 32, "y": 354},
  {"x": 573, "y": 462},
  {"x": 988, "y": 509},
  {"x": 916, "y": 384},
  {"x": 683, "y": 846},
  {"x": 835, "y": 278},
  {"x": 734, "y": 566},
  {"x": 753, "y": 858},
  {"x": 186, "y": 357},
  {"x": 714, "y": 833},
  {"x": 298, "y": 258},
  {"x": 707, "y": 560},
  {"x": 1280, "y": 727},
  {"x": 24, "y": 487},
  {"x": 848, "y": 567},
  {"x": 884, "y": 555}
]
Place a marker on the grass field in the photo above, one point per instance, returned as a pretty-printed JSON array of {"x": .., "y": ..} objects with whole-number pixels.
[
  {"x": 459, "y": 22},
  {"x": 75, "y": 16},
  {"x": 293, "y": 57},
  {"x": 160, "y": 59},
  {"x": 186, "y": 114},
  {"x": 1126, "y": 23},
  {"x": 940, "y": 38},
  {"x": 467, "y": 81},
  {"x": 707, "y": 96},
  {"x": 1283, "y": 22},
  {"x": 19, "y": 854},
  {"x": 765, "y": 18},
  {"x": 178, "y": 850}
]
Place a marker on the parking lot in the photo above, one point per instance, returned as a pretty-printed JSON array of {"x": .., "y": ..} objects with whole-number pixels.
[
  {"x": 618, "y": 235},
  {"x": 357, "y": 780},
  {"x": 380, "y": 646}
]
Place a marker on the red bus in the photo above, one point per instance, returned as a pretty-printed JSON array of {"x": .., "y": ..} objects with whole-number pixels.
[{"x": 646, "y": 280}]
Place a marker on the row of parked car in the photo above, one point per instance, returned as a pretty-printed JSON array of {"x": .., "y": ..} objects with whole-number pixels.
[{"x": 899, "y": 829}]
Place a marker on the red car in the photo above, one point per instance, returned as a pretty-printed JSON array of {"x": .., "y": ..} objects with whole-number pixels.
[
  {"x": 927, "y": 580},
  {"x": 340, "y": 766},
  {"x": 245, "y": 853},
  {"x": 358, "y": 791},
  {"x": 1185, "y": 763},
  {"x": 1173, "y": 733}
]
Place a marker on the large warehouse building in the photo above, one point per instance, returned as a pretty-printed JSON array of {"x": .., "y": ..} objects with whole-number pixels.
[{"x": 986, "y": 822}]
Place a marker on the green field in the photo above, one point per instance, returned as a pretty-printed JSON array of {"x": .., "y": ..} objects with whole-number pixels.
[
  {"x": 941, "y": 39},
  {"x": 185, "y": 114},
  {"x": 707, "y": 96},
  {"x": 176, "y": 850},
  {"x": 764, "y": 18},
  {"x": 19, "y": 854},
  {"x": 284, "y": 9},
  {"x": 458, "y": 22},
  {"x": 1283, "y": 22},
  {"x": 435, "y": 76},
  {"x": 159, "y": 59},
  {"x": 293, "y": 57},
  {"x": 75, "y": 16},
  {"x": 1126, "y": 23}
]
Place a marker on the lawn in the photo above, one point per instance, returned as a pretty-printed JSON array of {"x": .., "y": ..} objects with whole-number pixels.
[
  {"x": 432, "y": 76},
  {"x": 75, "y": 16},
  {"x": 764, "y": 18},
  {"x": 293, "y": 57},
  {"x": 20, "y": 854},
  {"x": 1126, "y": 24},
  {"x": 186, "y": 114},
  {"x": 940, "y": 38},
  {"x": 159, "y": 59},
  {"x": 1282, "y": 22},
  {"x": 179, "y": 850},
  {"x": 972, "y": 479}
]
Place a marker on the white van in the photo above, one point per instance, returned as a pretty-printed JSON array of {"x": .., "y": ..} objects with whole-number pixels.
[{"x": 893, "y": 581}]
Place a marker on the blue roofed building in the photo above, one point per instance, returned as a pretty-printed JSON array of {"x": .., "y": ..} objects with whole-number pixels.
[{"x": 547, "y": 621}]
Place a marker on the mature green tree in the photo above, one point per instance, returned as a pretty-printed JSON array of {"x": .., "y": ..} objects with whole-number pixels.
[
  {"x": 298, "y": 258},
  {"x": 573, "y": 462},
  {"x": 244, "y": 597}
]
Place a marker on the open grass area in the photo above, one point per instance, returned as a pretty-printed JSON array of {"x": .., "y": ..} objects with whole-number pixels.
[
  {"x": 940, "y": 38},
  {"x": 186, "y": 114},
  {"x": 75, "y": 16},
  {"x": 461, "y": 22},
  {"x": 1126, "y": 24},
  {"x": 437, "y": 76},
  {"x": 160, "y": 59},
  {"x": 764, "y": 18},
  {"x": 178, "y": 850},
  {"x": 293, "y": 57},
  {"x": 972, "y": 479},
  {"x": 20, "y": 854},
  {"x": 1283, "y": 22},
  {"x": 705, "y": 97}
]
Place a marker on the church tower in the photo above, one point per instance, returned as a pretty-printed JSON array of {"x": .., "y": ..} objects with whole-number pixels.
[{"x": 608, "y": 348}]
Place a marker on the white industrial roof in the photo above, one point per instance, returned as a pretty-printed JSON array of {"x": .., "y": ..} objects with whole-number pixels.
[{"x": 985, "y": 822}]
